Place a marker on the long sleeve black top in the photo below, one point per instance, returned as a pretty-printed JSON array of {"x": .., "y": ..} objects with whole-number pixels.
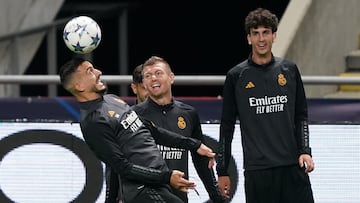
[
  {"x": 119, "y": 138},
  {"x": 269, "y": 101},
  {"x": 183, "y": 119}
]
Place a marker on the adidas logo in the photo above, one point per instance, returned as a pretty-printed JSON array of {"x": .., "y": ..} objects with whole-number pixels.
[{"x": 250, "y": 85}]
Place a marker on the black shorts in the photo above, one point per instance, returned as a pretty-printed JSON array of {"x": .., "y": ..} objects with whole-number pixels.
[
  {"x": 286, "y": 184},
  {"x": 153, "y": 195}
]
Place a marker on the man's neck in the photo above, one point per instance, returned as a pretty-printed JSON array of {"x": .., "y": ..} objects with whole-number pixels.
[
  {"x": 261, "y": 59},
  {"x": 87, "y": 97},
  {"x": 163, "y": 100}
]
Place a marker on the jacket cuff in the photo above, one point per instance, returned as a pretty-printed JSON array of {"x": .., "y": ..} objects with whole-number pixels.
[
  {"x": 221, "y": 172},
  {"x": 167, "y": 177},
  {"x": 306, "y": 151}
]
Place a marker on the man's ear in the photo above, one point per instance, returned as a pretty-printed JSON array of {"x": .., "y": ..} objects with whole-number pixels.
[
  {"x": 78, "y": 87},
  {"x": 274, "y": 36},
  {"x": 248, "y": 39},
  {"x": 133, "y": 87},
  {"x": 172, "y": 76}
]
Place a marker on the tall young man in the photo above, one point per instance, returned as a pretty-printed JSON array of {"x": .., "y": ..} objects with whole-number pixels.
[{"x": 266, "y": 94}]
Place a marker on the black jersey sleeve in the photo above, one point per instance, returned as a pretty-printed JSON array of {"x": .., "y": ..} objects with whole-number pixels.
[
  {"x": 171, "y": 139},
  {"x": 205, "y": 173},
  {"x": 228, "y": 119},
  {"x": 99, "y": 137},
  {"x": 301, "y": 117}
]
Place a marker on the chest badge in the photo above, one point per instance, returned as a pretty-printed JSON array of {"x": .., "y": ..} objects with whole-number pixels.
[
  {"x": 281, "y": 80},
  {"x": 111, "y": 113},
  {"x": 181, "y": 122}
]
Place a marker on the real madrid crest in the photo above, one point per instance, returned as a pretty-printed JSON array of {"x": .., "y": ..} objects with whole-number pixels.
[
  {"x": 181, "y": 122},
  {"x": 281, "y": 80}
]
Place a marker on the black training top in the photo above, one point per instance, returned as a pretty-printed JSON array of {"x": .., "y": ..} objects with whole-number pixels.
[
  {"x": 269, "y": 101},
  {"x": 125, "y": 142},
  {"x": 183, "y": 119}
]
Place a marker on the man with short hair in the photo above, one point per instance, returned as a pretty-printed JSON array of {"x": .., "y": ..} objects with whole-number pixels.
[
  {"x": 124, "y": 141},
  {"x": 167, "y": 112},
  {"x": 266, "y": 94},
  {"x": 137, "y": 85}
]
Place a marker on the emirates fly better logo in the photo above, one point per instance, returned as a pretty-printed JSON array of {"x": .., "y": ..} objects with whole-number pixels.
[{"x": 268, "y": 104}]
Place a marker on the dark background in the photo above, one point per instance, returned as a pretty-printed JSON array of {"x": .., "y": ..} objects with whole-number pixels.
[{"x": 196, "y": 38}]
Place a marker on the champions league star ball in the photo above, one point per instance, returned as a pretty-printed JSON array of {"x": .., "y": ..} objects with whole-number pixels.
[{"x": 82, "y": 34}]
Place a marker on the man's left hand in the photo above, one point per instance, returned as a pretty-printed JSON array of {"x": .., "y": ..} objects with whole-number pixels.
[
  {"x": 206, "y": 151},
  {"x": 307, "y": 160}
]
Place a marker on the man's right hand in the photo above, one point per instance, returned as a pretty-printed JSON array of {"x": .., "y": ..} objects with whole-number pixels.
[
  {"x": 178, "y": 181},
  {"x": 224, "y": 185}
]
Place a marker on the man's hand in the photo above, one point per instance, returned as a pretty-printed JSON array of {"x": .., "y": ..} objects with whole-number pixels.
[
  {"x": 224, "y": 186},
  {"x": 206, "y": 151},
  {"x": 307, "y": 160},
  {"x": 178, "y": 181}
]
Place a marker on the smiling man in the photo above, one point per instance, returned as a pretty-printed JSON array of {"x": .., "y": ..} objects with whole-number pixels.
[
  {"x": 266, "y": 94},
  {"x": 124, "y": 141},
  {"x": 165, "y": 111}
]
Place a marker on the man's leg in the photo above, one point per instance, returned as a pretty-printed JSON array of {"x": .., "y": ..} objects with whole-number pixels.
[{"x": 156, "y": 195}]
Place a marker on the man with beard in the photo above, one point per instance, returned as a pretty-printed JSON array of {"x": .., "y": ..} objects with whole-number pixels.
[{"x": 124, "y": 141}]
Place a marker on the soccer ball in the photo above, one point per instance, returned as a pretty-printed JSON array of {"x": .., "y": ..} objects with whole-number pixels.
[{"x": 82, "y": 34}]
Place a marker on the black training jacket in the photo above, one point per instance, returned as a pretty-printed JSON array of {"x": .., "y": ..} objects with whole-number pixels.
[
  {"x": 122, "y": 140},
  {"x": 183, "y": 119},
  {"x": 269, "y": 101}
]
